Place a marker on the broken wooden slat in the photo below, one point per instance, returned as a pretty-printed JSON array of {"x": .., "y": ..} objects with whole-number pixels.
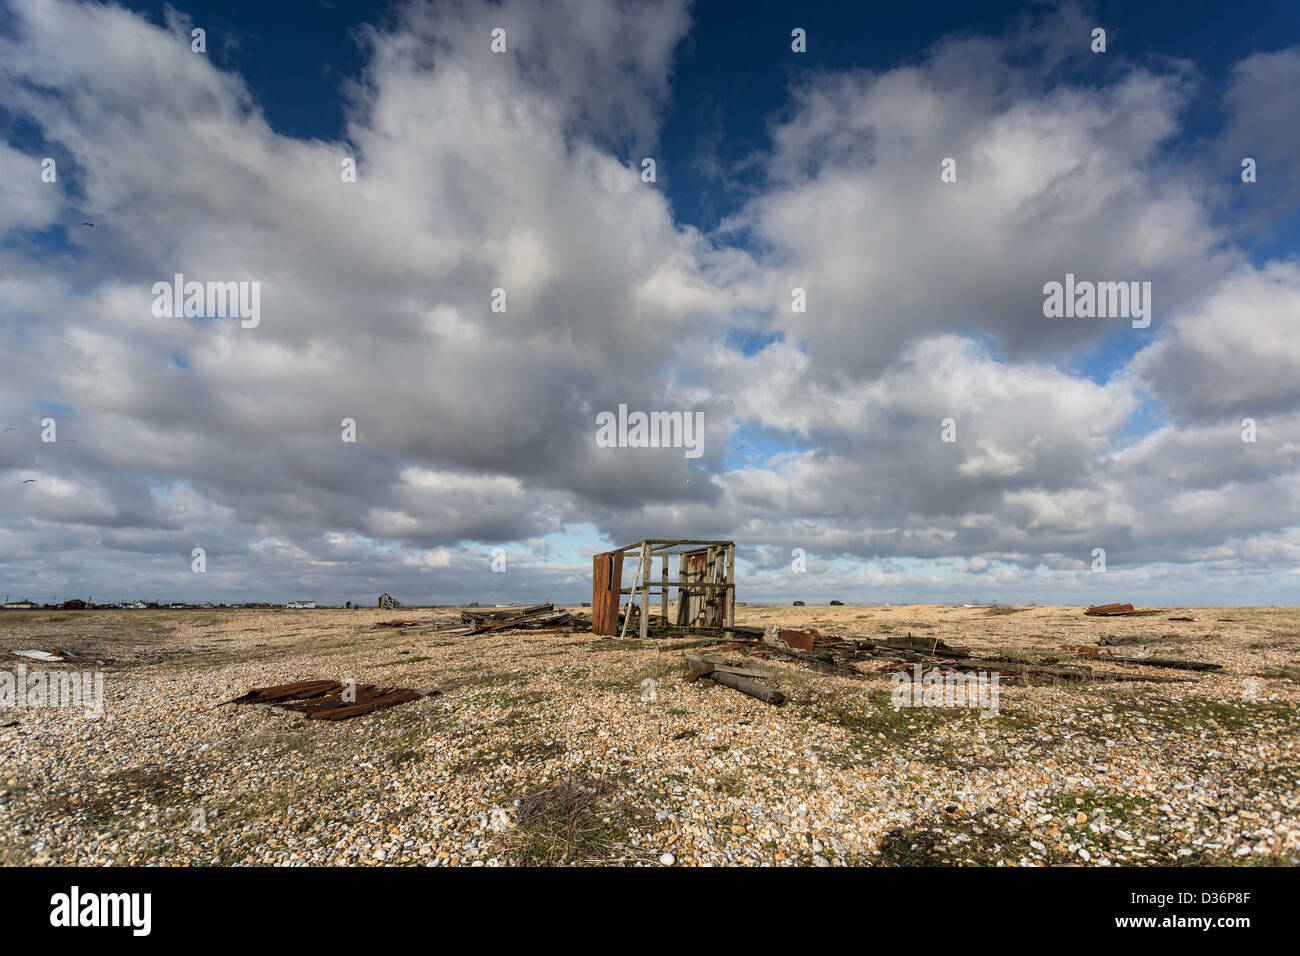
[{"x": 932, "y": 644}]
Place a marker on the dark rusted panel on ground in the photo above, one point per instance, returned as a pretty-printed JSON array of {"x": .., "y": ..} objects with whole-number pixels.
[
  {"x": 368, "y": 699},
  {"x": 298, "y": 690},
  {"x": 323, "y": 699}
]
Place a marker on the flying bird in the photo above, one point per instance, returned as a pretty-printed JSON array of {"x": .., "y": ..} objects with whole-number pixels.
[
  {"x": 28, "y": 481},
  {"x": 11, "y": 428},
  {"x": 90, "y": 224}
]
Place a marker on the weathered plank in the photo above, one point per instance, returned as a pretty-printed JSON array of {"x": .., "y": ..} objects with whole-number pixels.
[{"x": 769, "y": 695}]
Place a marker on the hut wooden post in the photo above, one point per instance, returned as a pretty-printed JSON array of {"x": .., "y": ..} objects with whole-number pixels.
[
  {"x": 730, "y": 594},
  {"x": 663, "y": 592},
  {"x": 631, "y": 597},
  {"x": 645, "y": 590}
]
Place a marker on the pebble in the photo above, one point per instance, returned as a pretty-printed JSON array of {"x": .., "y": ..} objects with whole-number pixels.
[{"x": 700, "y": 776}]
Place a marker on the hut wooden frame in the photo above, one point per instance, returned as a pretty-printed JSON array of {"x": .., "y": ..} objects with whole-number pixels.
[{"x": 705, "y": 585}]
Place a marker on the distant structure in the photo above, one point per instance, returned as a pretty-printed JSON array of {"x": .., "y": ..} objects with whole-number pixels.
[
  {"x": 23, "y": 605},
  {"x": 301, "y": 604},
  {"x": 76, "y": 604},
  {"x": 388, "y": 602}
]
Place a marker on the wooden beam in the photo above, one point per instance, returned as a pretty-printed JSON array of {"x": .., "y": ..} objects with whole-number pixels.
[
  {"x": 768, "y": 695},
  {"x": 692, "y": 584},
  {"x": 627, "y": 616},
  {"x": 730, "y": 595},
  {"x": 663, "y": 544},
  {"x": 645, "y": 592},
  {"x": 663, "y": 592}
]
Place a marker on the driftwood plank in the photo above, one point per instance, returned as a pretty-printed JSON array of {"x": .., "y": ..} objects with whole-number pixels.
[
  {"x": 768, "y": 695},
  {"x": 1103, "y": 654}
]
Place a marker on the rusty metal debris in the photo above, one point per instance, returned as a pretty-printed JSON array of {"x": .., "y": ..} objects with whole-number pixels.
[
  {"x": 329, "y": 700},
  {"x": 1121, "y": 610},
  {"x": 802, "y": 640}
]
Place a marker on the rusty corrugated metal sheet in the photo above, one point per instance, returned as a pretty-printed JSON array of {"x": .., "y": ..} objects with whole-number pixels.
[
  {"x": 323, "y": 699},
  {"x": 1120, "y": 610},
  {"x": 802, "y": 640},
  {"x": 606, "y": 582}
]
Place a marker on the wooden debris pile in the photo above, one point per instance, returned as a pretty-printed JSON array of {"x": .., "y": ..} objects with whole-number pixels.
[
  {"x": 483, "y": 615},
  {"x": 537, "y": 617},
  {"x": 1144, "y": 658},
  {"x": 859, "y": 658}
]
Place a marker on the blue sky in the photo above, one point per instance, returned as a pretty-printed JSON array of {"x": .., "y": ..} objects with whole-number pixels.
[{"x": 775, "y": 170}]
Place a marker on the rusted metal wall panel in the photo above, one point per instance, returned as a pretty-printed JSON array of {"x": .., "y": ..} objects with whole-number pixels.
[{"x": 606, "y": 580}]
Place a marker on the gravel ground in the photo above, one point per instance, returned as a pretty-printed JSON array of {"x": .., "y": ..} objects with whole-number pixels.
[{"x": 548, "y": 748}]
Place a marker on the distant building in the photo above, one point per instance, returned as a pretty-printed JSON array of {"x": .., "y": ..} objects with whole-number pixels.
[
  {"x": 301, "y": 604},
  {"x": 76, "y": 604},
  {"x": 23, "y": 605},
  {"x": 388, "y": 602}
]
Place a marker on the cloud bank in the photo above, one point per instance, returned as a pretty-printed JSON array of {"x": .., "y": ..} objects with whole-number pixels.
[{"x": 520, "y": 171}]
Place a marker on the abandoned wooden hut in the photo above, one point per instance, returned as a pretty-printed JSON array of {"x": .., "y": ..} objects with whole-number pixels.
[{"x": 705, "y": 586}]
